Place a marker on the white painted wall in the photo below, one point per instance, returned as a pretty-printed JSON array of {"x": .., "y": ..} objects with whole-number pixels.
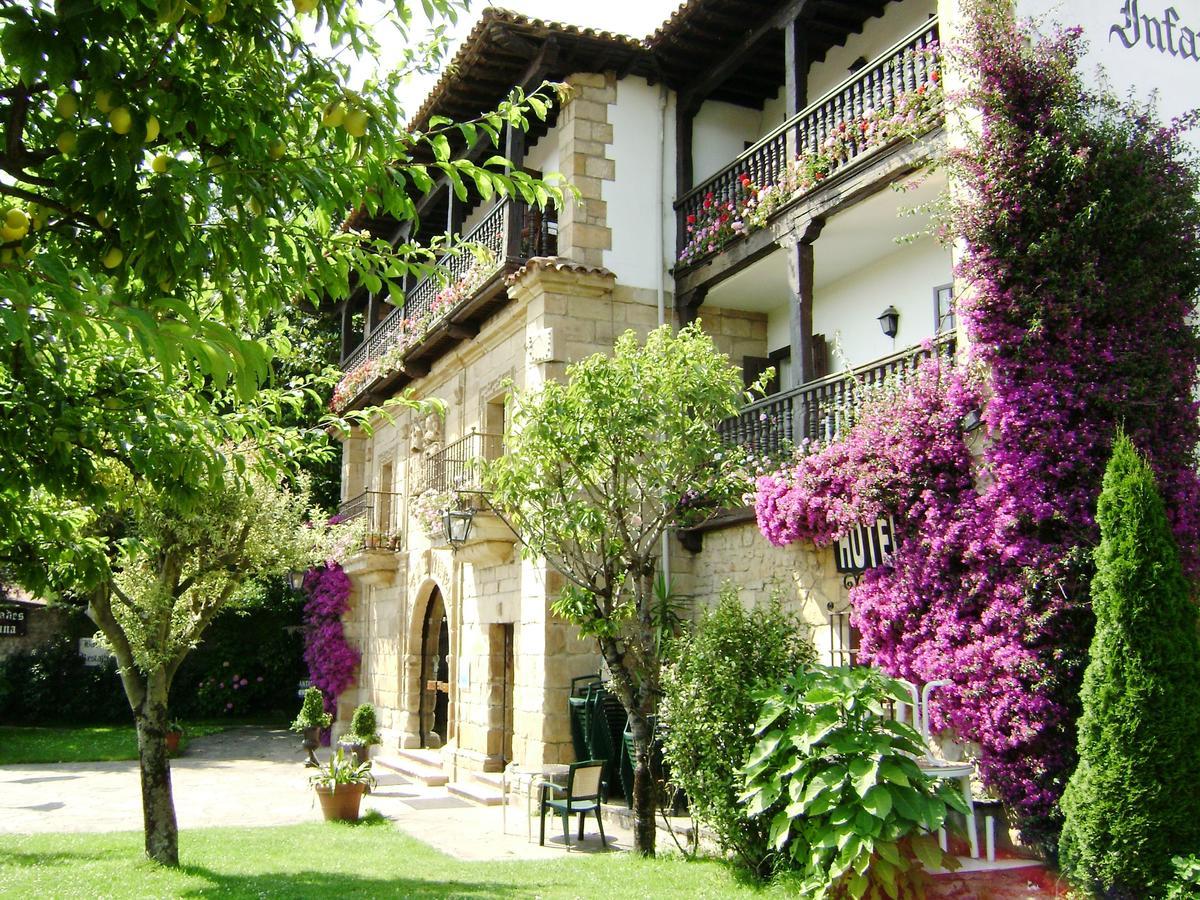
[
  {"x": 719, "y": 133},
  {"x": 543, "y": 155},
  {"x": 631, "y": 198},
  {"x": 846, "y": 310},
  {"x": 897, "y": 20},
  {"x": 773, "y": 114},
  {"x": 1146, "y": 68}
]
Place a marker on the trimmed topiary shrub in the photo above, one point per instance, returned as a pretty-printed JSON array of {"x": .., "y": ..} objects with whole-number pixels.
[
  {"x": 1132, "y": 803},
  {"x": 711, "y": 708}
]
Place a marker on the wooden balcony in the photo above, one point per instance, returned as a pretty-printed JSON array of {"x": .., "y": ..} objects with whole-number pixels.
[
  {"x": 821, "y": 410},
  {"x": 896, "y": 95},
  {"x": 450, "y": 304}
]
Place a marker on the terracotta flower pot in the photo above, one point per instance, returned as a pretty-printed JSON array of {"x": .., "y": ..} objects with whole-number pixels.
[
  {"x": 172, "y": 739},
  {"x": 340, "y": 804}
]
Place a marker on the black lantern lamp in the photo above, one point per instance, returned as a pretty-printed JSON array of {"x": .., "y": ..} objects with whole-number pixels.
[
  {"x": 889, "y": 321},
  {"x": 457, "y": 523},
  {"x": 295, "y": 579},
  {"x": 971, "y": 421}
]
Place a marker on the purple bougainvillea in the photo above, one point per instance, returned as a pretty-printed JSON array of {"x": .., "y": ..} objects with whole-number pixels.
[
  {"x": 331, "y": 661},
  {"x": 1081, "y": 259}
]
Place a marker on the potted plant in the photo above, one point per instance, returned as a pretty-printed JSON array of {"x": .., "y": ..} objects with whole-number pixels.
[
  {"x": 340, "y": 786},
  {"x": 310, "y": 721},
  {"x": 362, "y": 734},
  {"x": 173, "y": 736}
]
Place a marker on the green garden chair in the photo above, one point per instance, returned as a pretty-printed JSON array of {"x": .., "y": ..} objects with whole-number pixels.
[{"x": 582, "y": 795}]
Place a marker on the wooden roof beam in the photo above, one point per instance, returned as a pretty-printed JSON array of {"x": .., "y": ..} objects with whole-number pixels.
[{"x": 736, "y": 56}]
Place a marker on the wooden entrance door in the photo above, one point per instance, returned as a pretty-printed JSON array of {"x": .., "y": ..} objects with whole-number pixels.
[{"x": 435, "y": 671}]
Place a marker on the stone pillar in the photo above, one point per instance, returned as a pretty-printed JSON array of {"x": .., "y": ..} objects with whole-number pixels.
[{"x": 584, "y": 135}]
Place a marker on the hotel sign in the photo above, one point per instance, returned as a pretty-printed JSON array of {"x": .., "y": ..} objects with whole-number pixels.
[
  {"x": 1149, "y": 49},
  {"x": 866, "y": 546},
  {"x": 1162, "y": 31},
  {"x": 13, "y": 621}
]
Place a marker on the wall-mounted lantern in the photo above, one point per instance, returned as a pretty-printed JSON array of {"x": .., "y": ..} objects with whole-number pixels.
[
  {"x": 889, "y": 321},
  {"x": 457, "y": 523}
]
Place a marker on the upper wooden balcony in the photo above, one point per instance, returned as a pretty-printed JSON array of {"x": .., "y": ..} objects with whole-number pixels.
[
  {"x": 447, "y": 306},
  {"x": 820, "y": 411},
  {"x": 895, "y": 97}
]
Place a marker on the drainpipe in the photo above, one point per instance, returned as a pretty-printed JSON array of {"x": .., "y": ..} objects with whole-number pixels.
[{"x": 660, "y": 257}]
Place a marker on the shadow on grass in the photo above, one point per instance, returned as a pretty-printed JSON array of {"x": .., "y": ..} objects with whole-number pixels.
[
  {"x": 18, "y": 860},
  {"x": 331, "y": 884}
]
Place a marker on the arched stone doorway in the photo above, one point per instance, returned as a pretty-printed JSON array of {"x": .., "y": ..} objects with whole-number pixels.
[{"x": 434, "y": 680}]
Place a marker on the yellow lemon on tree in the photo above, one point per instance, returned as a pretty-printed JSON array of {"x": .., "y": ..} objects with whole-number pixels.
[
  {"x": 276, "y": 149},
  {"x": 215, "y": 163},
  {"x": 152, "y": 129},
  {"x": 104, "y": 100},
  {"x": 304, "y": 7},
  {"x": 112, "y": 258},
  {"x": 66, "y": 142},
  {"x": 355, "y": 122},
  {"x": 66, "y": 105},
  {"x": 335, "y": 114},
  {"x": 102, "y": 218},
  {"x": 160, "y": 163},
  {"x": 217, "y": 13},
  {"x": 120, "y": 119}
]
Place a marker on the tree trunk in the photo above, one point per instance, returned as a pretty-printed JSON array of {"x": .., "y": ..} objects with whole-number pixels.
[
  {"x": 643, "y": 784},
  {"x": 158, "y": 804}
]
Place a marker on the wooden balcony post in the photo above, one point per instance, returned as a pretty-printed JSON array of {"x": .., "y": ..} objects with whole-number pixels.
[
  {"x": 685, "y": 115},
  {"x": 795, "y": 65},
  {"x": 514, "y": 151},
  {"x": 800, "y": 281}
]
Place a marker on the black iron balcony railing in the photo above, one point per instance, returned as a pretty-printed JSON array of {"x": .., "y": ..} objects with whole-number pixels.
[
  {"x": 497, "y": 240},
  {"x": 383, "y": 513},
  {"x": 883, "y": 89},
  {"x": 821, "y": 410},
  {"x": 459, "y": 466}
]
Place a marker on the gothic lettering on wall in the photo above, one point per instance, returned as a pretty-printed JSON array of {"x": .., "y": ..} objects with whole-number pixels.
[{"x": 1163, "y": 33}]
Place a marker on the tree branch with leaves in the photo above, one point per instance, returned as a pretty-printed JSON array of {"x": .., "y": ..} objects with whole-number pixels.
[{"x": 596, "y": 469}]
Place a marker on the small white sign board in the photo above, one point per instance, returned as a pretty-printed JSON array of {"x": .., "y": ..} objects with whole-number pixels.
[{"x": 93, "y": 653}]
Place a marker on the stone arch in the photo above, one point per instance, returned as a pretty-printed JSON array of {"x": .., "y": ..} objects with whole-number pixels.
[{"x": 428, "y": 710}]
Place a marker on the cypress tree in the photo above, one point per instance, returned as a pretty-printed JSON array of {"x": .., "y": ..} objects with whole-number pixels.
[{"x": 1134, "y": 800}]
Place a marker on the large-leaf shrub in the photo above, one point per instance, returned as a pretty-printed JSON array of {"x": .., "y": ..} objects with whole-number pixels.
[
  {"x": 710, "y": 708},
  {"x": 837, "y": 780},
  {"x": 1132, "y": 802}
]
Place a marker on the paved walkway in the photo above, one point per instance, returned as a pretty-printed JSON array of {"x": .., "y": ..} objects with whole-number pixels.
[{"x": 253, "y": 777}]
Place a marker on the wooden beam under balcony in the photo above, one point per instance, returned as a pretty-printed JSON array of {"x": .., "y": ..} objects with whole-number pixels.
[{"x": 727, "y": 263}]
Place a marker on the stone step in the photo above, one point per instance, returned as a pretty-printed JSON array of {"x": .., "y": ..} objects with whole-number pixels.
[
  {"x": 476, "y": 792},
  {"x": 491, "y": 779},
  {"x": 414, "y": 767}
]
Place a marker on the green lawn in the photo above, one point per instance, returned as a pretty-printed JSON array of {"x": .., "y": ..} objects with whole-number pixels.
[
  {"x": 318, "y": 860},
  {"x": 21, "y": 745}
]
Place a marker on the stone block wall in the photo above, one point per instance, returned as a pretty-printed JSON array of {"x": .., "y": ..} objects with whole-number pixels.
[
  {"x": 804, "y": 576},
  {"x": 584, "y": 137}
]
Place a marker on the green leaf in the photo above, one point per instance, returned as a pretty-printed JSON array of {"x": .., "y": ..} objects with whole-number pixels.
[
  {"x": 878, "y": 801},
  {"x": 927, "y": 851}
]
